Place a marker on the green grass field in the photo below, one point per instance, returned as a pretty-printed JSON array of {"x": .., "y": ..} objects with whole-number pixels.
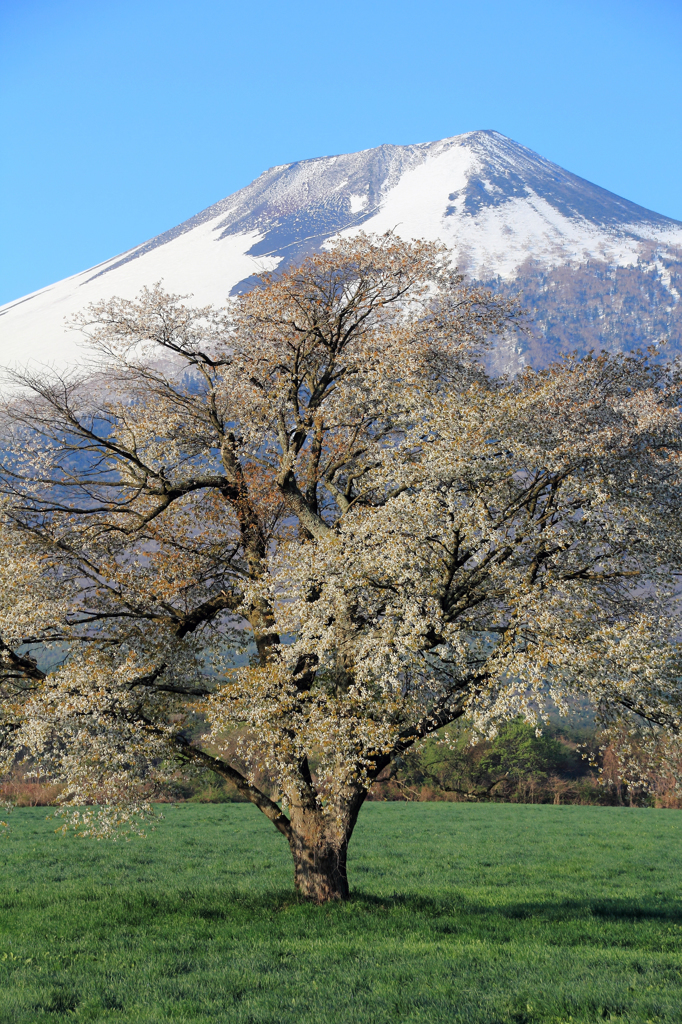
[{"x": 471, "y": 913}]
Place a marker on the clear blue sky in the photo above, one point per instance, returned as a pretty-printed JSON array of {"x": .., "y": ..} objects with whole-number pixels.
[{"x": 121, "y": 118}]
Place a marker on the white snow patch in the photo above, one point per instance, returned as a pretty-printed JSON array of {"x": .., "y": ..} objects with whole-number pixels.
[
  {"x": 498, "y": 239},
  {"x": 666, "y": 278},
  {"x": 416, "y": 204},
  {"x": 666, "y": 235},
  {"x": 196, "y": 263}
]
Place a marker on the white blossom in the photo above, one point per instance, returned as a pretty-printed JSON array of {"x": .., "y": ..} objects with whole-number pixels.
[{"x": 312, "y": 526}]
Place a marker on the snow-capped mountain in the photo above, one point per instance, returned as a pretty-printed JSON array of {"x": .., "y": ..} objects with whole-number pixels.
[{"x": 596, "y": 269}]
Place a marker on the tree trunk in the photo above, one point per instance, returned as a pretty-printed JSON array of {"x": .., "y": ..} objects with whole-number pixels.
[
  {"x": 320, "y": 870},
  {"x": 319, "y": 843}
]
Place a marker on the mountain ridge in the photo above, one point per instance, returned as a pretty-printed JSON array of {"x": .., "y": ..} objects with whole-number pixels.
[{"x": 509, "y": 216}]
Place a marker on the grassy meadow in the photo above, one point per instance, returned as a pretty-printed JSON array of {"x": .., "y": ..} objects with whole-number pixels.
[{"x": 498, "y": 914}]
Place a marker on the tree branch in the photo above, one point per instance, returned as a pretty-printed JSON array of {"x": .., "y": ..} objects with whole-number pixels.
[{"x": 246, "y": 788}]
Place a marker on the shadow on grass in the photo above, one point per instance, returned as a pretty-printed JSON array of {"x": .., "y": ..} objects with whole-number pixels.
[
  {"x": 134, "y": 906},
  {"x": 604, "y": 909},
  {"x": 434, "y": 908},
  {"x": 220, "y": 906}
]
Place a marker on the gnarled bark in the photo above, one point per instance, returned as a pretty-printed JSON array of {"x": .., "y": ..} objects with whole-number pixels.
[
  {"x": 319, "y": 844},
  {"x": 320, "y": 869}
]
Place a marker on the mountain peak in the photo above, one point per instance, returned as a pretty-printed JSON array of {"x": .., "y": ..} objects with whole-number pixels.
[{"x": 498, "y": 206}]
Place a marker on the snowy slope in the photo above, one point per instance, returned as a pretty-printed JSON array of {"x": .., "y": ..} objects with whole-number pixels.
[{"x": 505, "y": 212}]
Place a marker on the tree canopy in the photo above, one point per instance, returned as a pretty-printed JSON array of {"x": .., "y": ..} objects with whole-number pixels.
[{"x": 289, "y": 539}]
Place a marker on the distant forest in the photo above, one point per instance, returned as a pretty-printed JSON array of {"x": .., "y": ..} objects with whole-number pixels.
[
  {"x": 597, "y": 306},
  {"x": 564, "y": 764}
]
